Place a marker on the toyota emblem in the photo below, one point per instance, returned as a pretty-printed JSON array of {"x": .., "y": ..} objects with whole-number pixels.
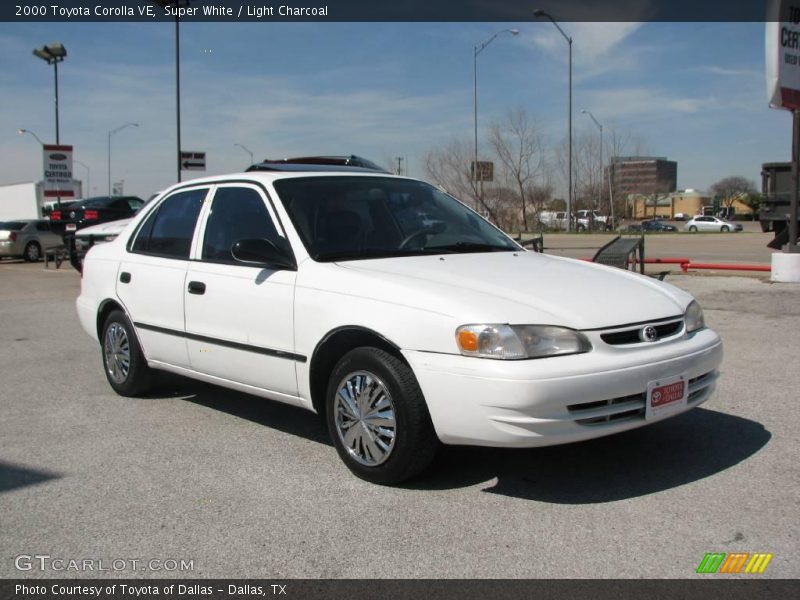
[
  {"x": 649, "y": 334},
  {"x": 72, "y": 215}
]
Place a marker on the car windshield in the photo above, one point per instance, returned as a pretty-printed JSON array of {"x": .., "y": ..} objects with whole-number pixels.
[
  {"x": 351, "y": 218},
  {"x": 12, "y": 225}
]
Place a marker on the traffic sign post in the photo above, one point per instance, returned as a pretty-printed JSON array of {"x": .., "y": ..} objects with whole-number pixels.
[{"x": 193, "y": 161}]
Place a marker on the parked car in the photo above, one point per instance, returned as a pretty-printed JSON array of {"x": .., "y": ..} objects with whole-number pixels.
[
  {"x": 27, "y": 239},
  {"x": 319, "y": 289},
  {"x": 706, "y": 223},
  {"x": 104, "y": 232},
  {"x": 92, "y": 211},
  {"x": 657, "y": 225},
  {"x": 592, "y": 219},
  {"x": 680, "y": 216}
]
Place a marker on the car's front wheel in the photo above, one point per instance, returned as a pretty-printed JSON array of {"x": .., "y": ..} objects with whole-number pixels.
[
  {"x": 377, "y": 417},
  {"x": 725, "y": 229},
  {"x": 693, "y": 229},
  {"x": 123, "y": 362}
]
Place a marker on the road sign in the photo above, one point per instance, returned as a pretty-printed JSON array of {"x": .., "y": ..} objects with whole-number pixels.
[
  {"x": 485, "y": 170},
  {"x": 193, "y": 161},
  {"x": 57, "y": 162}
]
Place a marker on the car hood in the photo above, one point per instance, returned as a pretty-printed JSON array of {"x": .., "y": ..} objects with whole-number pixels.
[
  {"x": 517, "y": 287},
  {"x": 110, "y": 228}
]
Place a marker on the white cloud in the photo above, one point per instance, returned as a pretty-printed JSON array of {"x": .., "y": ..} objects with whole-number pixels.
[{"x": 596, "y": 46}]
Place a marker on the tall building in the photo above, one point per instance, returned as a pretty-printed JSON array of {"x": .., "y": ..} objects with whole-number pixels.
[{"x": 642, "y": 175}]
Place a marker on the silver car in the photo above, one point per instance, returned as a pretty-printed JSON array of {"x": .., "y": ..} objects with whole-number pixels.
[
  {"x": 27, "y": 238},
  {"x": 711, "y": 224}
]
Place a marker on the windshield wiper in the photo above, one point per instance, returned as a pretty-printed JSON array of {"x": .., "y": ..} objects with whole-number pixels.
[{"x": 469, "y": 247}]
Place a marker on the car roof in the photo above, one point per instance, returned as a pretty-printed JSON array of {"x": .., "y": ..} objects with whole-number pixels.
[
  {"x": 318, "y": 163},
  {"x": 271, "y": 176}
]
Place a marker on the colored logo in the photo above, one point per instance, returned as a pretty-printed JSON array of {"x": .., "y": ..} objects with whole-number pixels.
[
  {"x": 735, "y": 562},
  {"x": 58, "y": 157}
]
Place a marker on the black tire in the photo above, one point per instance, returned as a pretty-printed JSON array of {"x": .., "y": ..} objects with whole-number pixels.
[
  {"x": 581, "y": 228},
  {"x": 139, "y": 377},
  {"x": 414, "y": 441},
  {"x": 32, "y": 252},
  {"x": 693, "y": 229},
  {"x": 725, "y": 229}
]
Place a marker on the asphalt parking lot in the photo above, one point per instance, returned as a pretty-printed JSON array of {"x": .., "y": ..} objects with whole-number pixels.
[{"x": 246, "y": 487}]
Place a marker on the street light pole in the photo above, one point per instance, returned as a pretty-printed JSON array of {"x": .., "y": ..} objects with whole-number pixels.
[
  {"x": 29, "y": 132},
  {"x": 246, "y": 150},
  {"x": 53, "y": 54},
  {"x": 110, "y": 133},
  {"x": 88, "y": 191},
  {"x": 477, "y": 50},
  {"x": 176, "y": 4},
  {"x": 540, "y": 13},
  {"x": 600, "y": 127}
]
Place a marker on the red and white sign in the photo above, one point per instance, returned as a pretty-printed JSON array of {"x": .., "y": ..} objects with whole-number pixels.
[
  {"x": 666, "y": 396},
  {"x": 57, "y": 161},
  {"x": 783, "y": 53}
]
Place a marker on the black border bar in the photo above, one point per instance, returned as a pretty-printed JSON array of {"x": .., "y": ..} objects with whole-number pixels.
[
  {"x": 267, "y": 11},
  {"x": 708, "y": 588}
]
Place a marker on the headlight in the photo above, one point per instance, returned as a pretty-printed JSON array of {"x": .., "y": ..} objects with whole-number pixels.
[
  {"x": 694, "y": 317},
  {"x": 514, "y": 342}
]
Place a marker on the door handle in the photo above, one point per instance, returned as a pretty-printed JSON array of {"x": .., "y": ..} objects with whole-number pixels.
[
  {"x": 197, "y": 287},
  {"x": 125, "y": 277}
]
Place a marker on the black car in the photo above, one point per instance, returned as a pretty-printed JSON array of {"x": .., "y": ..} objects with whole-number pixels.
[
  {"x": 657, "y": 225},
  {"x": 92, "y": 211}
]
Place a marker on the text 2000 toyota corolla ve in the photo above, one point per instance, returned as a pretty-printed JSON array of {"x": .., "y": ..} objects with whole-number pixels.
[{"x": 394, "y": 310}]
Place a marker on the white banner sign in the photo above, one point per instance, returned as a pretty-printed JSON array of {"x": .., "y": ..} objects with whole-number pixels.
[{"x": 57, "y": 171}]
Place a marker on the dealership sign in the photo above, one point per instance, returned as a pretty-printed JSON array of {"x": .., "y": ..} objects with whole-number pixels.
[
  {"x": 57, "y": 160},
  {"x": 783, "y": 53}
]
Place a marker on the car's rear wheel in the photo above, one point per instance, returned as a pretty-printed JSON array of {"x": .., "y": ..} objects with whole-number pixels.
[
  {"x": 693, "y": 229},
  {"x": 32, "y": 252},
  {"x": 725, "y": 229},
  {"x": 123, "y": 362},
  {"x": 377, "y": 417}
]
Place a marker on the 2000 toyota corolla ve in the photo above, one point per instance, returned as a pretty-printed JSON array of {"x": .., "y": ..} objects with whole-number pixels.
[{"x": 394, "y": 310}]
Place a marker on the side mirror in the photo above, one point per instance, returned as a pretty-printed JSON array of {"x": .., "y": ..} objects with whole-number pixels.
[{"x": 260, "y": 252}]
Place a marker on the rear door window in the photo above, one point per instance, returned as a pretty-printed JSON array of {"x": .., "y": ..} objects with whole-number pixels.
[{"x": 169, "y": 229}]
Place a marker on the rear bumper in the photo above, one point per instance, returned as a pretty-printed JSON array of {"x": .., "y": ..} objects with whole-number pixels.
[
  {"x": 557, "y": 400},
  {"x": 9, "y": 249}
]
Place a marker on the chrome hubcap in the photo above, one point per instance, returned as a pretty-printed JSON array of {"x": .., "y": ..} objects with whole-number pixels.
[
  {"x": 117, "y": 353},
  {"x": 365, "y": 419},
  {"x": 33, "y": 252}
]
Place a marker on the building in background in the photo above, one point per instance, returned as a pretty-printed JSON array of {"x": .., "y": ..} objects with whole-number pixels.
[
  {"x": 682, "y": 203},
  {"x": 644, "y": 175}
]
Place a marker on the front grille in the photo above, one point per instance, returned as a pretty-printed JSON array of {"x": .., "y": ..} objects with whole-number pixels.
[
  {"x": 632, "y": 336},
  {"x": 614, "y": 410}
]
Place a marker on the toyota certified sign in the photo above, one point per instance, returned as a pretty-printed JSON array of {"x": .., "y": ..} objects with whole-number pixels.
[
  {"x": 783, "y": 53},
  {"x": 58, "y": 171}
]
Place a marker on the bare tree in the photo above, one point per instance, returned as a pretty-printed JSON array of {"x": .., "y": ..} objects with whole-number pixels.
[
  {"x": 450, "y": 167},
  {"x": 733, "y": 188},
  {"x": 518, "y": 144}
]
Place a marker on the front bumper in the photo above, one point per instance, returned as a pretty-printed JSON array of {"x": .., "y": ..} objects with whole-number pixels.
[{"x": 558, "y": 400}]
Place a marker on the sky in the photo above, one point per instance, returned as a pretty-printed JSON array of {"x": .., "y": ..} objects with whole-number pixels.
[{"x": 695, "y": 92}]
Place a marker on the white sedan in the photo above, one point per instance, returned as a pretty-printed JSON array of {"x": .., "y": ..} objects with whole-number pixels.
[
  {"x": 392, "y": 309},
  {"x": 711, "y": 224}
]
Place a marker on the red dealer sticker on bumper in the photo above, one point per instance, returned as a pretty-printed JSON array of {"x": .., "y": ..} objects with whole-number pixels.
[{"x": 666, "y": 396}]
